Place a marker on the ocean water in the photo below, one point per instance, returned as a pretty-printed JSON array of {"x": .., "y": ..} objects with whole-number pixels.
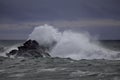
[
  {"x": 7, "y": 45},
  {"x": 75, "y": 56},
  {"x": 111, "y": 44},
  {"x": 10, "y": 42},
  {"x": 58, "y": 69}
]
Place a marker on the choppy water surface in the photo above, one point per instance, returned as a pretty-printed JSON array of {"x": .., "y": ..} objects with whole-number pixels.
[
  {"x": 91, "y": 61},
  {"x": 58, "y": 69}
]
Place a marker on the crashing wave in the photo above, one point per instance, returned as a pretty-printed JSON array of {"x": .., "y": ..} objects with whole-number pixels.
[{"x": 70, "y": 44}]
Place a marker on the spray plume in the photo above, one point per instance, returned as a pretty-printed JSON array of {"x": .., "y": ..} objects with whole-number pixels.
[{"x": 71, "y": 44}]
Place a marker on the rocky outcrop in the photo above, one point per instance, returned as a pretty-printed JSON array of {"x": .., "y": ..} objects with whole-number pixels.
[{"x": 30, "y": 48}]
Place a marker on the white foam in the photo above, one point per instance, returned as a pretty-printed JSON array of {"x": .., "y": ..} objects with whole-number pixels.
[
  {"x": 8, "y": 49},
  {"x": 47, "y": 70},
  {"x": 79, "y": 73},
  {"x": 71, "y": 44},
  {"x": 45, "y": 35}
]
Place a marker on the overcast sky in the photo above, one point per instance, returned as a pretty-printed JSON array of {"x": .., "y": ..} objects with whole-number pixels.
[{"x": 98, "y": 17}]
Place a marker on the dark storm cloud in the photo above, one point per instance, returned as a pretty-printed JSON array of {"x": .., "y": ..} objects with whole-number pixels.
[
  {"x": 98, "y": 17},
  {"x": 31, "y": 10}
]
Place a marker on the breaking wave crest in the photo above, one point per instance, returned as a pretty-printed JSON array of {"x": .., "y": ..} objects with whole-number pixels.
[{"x": 71, "y": 44}]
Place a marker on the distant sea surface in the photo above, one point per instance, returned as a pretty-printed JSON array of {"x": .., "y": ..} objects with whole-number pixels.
[
  {"x": 111, "y": 44},
  {"x": 10, "y": 42}
]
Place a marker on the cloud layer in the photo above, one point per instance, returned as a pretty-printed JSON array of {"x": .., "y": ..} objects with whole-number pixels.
[
  {"x": 19, "y": 17},
  {"x": 33, "y": 10},
  {"x": 105, "y": 29}
]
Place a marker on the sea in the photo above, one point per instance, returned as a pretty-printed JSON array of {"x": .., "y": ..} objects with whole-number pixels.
[
  {"x": 56, "y": 68},
  {"x": 75, "y": 56}
]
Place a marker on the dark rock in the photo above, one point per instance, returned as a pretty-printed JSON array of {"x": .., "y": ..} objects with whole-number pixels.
[
  {"x": 12, "y": 52},
  {"x": 30, "y": 48},
  {"x": 31, "y": 44}
]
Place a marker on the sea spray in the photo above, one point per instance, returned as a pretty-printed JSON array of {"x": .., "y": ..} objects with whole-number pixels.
[
  {"x": 12, "y": 46},
  {"x": 8, "y": 49},
  {"x": 45, "y": 35},
  {"x": 70, "y": 44}
]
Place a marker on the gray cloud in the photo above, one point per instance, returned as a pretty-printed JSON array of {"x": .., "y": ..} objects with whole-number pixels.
[
  {"x": 33, "y": 10},
  {"x": 19, "y": 17},
  {"x": 62, "y": 24},
  {"x": 106, "y": 29}
]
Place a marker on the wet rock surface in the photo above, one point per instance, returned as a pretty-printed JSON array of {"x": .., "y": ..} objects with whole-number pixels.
[
  {"x": 30, "y": 48},
  {"x": 58, "y": 69}
]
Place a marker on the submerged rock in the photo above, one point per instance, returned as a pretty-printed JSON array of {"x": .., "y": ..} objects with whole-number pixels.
[{"x": 30, "y": 48}]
